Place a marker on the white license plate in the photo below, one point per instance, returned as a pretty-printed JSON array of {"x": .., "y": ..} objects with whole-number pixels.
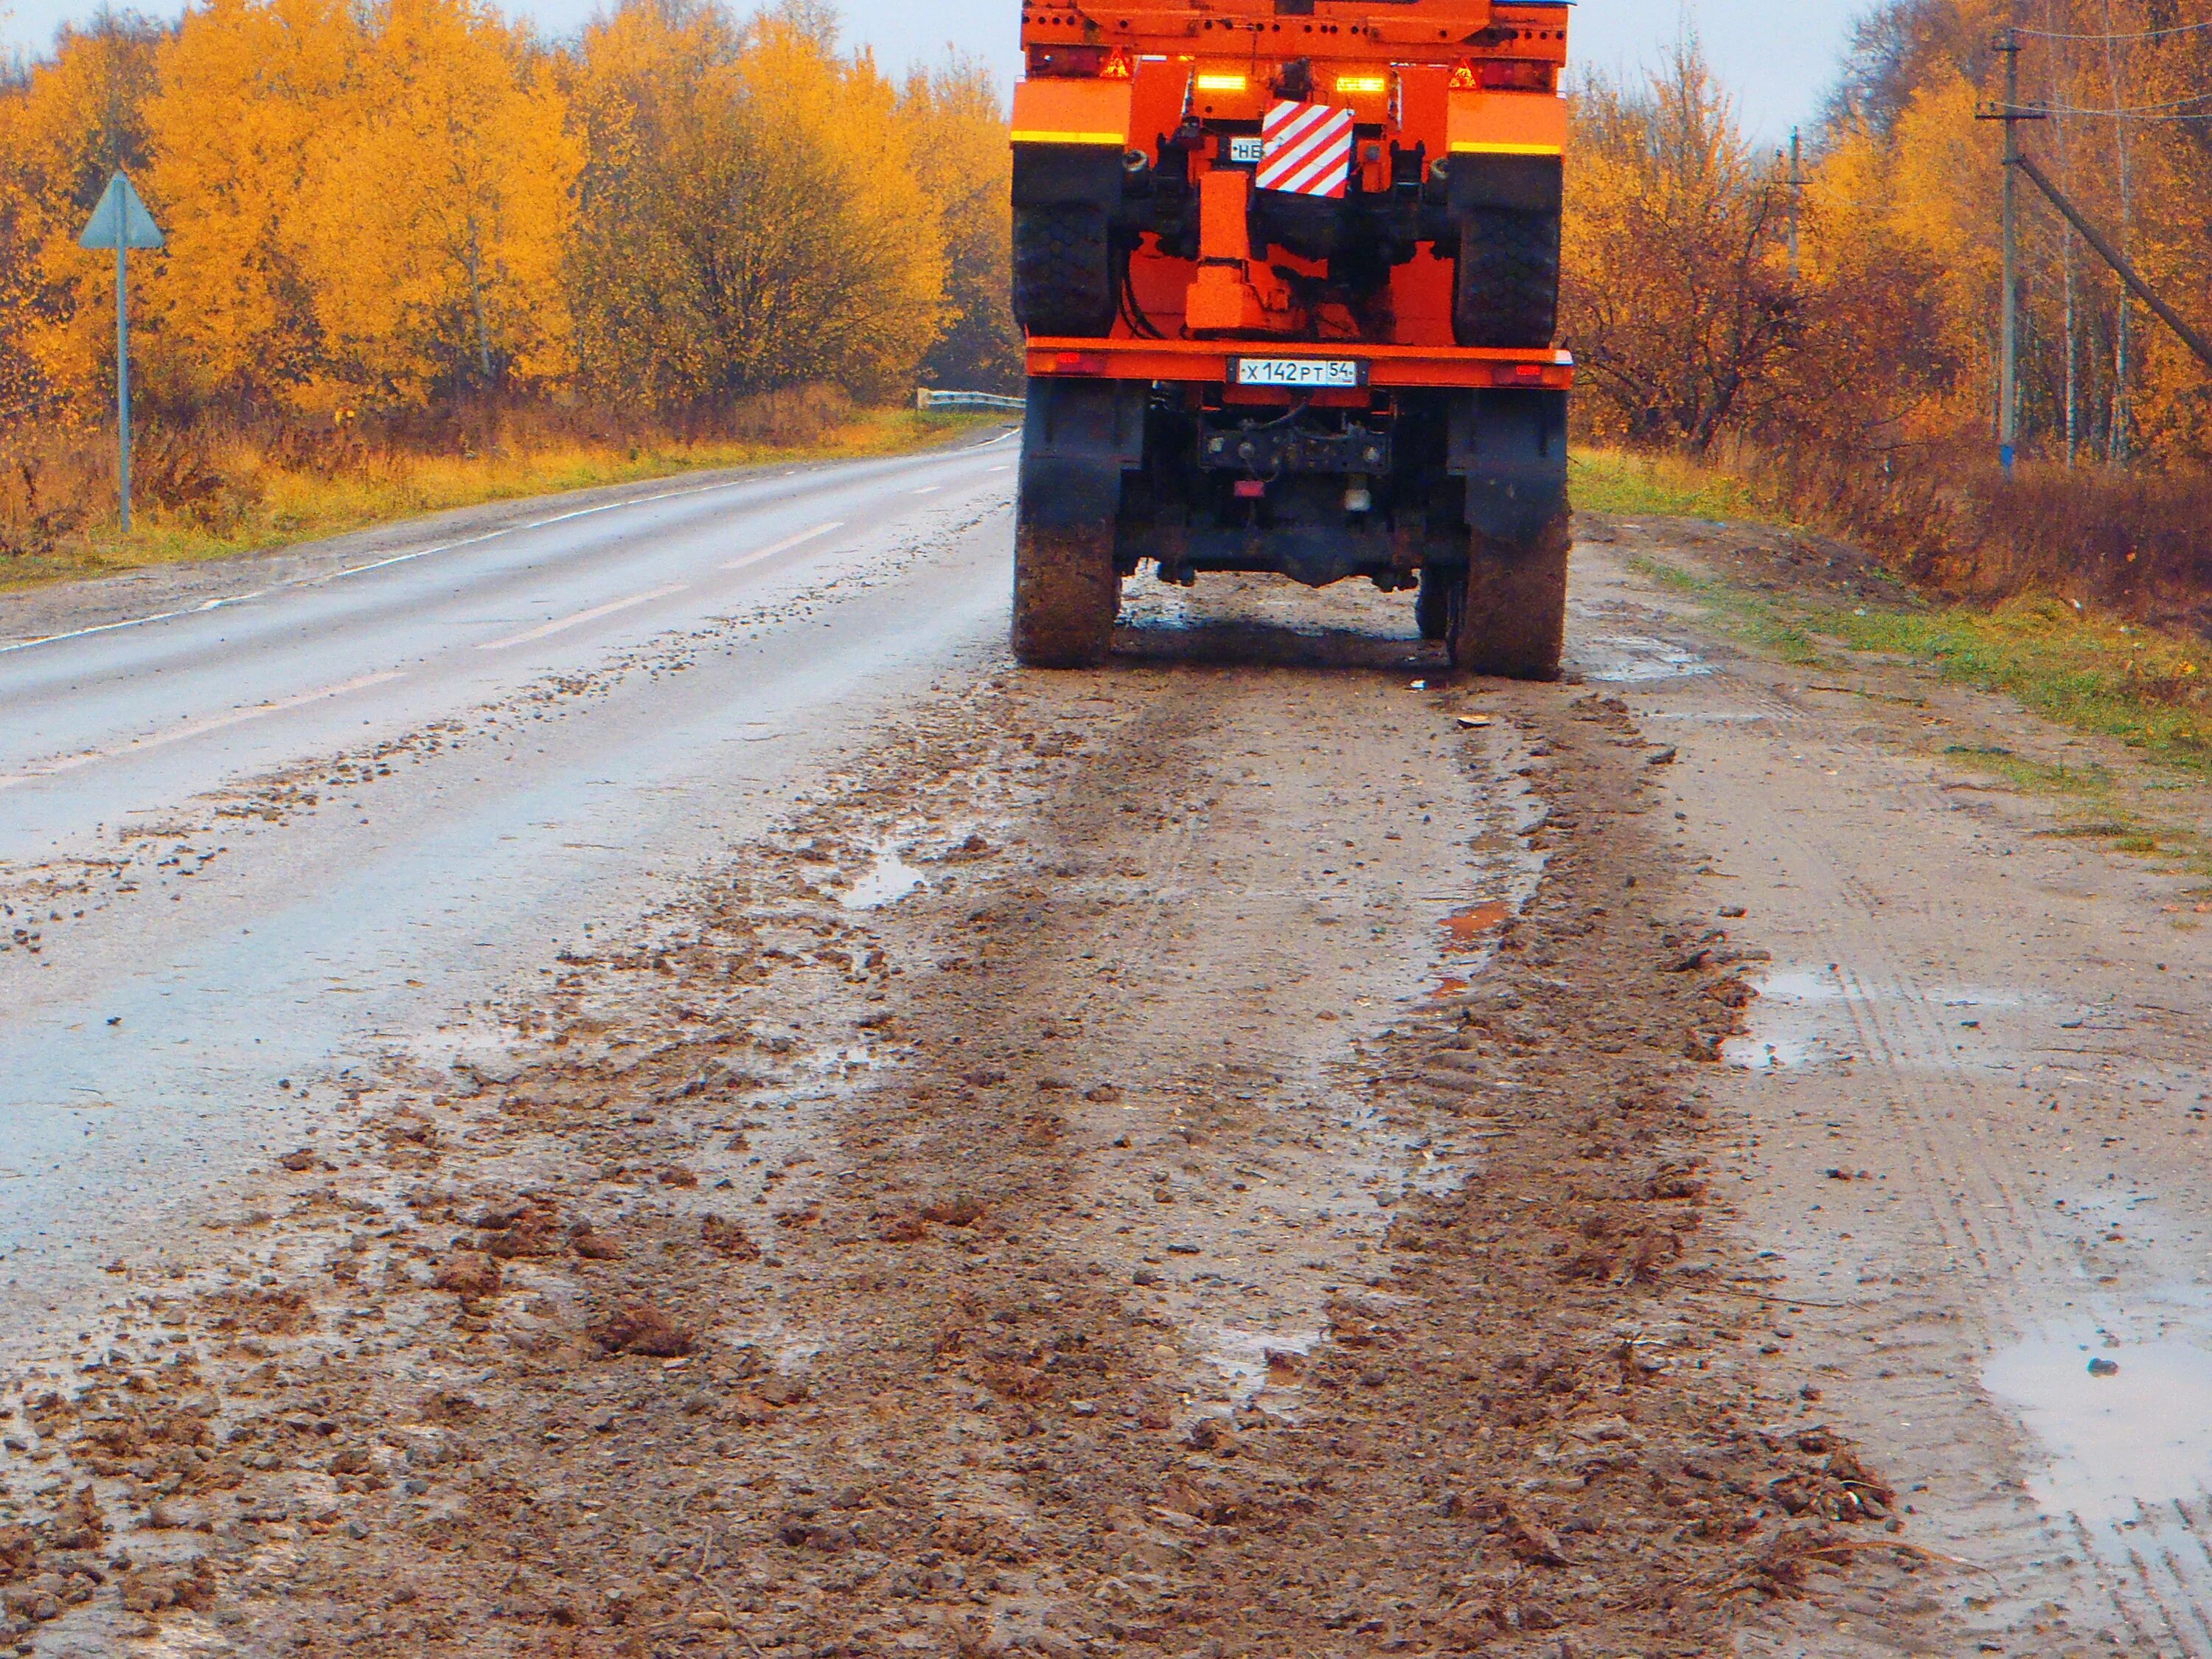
[
  {"x": 1328, "y": 373},
  {"x": 1244, "y": 151}
]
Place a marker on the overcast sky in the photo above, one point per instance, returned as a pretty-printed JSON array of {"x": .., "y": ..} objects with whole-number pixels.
[{"x": 1777, "y": 56}]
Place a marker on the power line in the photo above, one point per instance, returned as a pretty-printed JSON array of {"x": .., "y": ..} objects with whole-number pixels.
[
  {"x": 2138, "y": 111},
  {"x": 2107, "y": 40}
]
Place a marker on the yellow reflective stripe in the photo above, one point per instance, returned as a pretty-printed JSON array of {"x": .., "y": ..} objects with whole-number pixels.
[
  {"x": 1507, "y": 149},
  {"x": 1115, "y": 138}
]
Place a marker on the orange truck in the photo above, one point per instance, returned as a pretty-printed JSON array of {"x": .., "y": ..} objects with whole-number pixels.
[{"x": 1289, "y": 272}]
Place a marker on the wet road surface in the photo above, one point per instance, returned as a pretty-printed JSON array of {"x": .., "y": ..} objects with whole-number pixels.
[{"x": 256, "y": 843}]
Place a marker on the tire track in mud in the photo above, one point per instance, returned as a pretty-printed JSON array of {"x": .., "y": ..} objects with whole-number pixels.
[{"x": 823, "y": 1281}]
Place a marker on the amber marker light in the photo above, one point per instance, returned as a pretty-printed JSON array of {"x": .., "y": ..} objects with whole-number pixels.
[
  {"x": 1362, "y": 86},
  {"x": 1209, "y": 81}
]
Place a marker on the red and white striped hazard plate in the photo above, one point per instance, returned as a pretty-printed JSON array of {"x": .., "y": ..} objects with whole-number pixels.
[{"x": 1305, "y": 149}]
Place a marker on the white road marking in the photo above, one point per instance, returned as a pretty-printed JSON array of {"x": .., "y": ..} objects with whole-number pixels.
[
  {"x": 927, "y": 490},
  {"x": 785, "y": 545},
  {"x": 197, "y": 728},
  {"x": 546, "y": 630},
  {"x": 1003, "y": 466}
]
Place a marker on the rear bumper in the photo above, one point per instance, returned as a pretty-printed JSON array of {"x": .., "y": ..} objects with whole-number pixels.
[{"x": 1206, "y": 363}]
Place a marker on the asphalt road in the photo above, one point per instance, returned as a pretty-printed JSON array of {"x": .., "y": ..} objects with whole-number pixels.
[{"x": 201, "y": 909}]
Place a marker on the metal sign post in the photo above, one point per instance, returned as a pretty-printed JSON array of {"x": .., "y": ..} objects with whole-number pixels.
[{"x": 121, "y": 222}]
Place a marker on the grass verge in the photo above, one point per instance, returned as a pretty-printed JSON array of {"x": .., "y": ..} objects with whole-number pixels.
[
  {"x": 297, "y": 505},
  {"x": 2140, "y": 686},
  {"x": 2145, "y": 687},
  {"x": 1615, "y": 481}
]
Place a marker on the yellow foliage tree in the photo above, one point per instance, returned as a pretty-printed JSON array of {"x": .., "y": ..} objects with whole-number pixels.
[
  {"x": 750, "y": 217},
  {"x": 956, "y": 134},
  {"x": 1671, "y": 291},
  {"x": 437, "y": 208},
  {"x": 384, "y": 203},
  {"x": 233, "y": 302},
  {"x": 75, "y": 119}
]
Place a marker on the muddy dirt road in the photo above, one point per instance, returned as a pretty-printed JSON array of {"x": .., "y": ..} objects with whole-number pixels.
[{"x": 1256, "y": 1148}]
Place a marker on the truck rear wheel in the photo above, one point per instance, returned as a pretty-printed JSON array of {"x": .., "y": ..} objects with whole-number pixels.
[
  {"x": 1063, "y": 270},
  {"x": 1513, "y": 619},
  {"x": 1066, "y": 594},
  {"x": 1507, "y": 284}
]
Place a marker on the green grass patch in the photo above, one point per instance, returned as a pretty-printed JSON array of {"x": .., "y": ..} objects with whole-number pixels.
[
  {"x": 2117, "y": 680},
  {"x": 2141, "y": 686},
  {"x": 1752, "y": 617},
  {"x": 300, "y": 506},
  {"x": 1616, "y": 481},
  {"x": 2091, "y": 782}
]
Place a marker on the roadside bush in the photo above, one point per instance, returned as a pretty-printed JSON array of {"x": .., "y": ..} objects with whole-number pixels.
[{"x": 52, "y": 486}]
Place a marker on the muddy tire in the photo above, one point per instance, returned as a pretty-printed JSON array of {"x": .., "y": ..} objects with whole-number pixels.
[
  {"x": 1437, "y": 600},
  {"x": 1513, "y": 620},
  {"x": 1063, "y": 270},
  {"x": 1066, "y": 594},
  {"x": 1506, "y": 287}
]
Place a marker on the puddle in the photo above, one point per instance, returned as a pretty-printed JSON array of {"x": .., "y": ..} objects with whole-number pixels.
[
  {"x": 1252, "y": 1360},
  {"x": 886, "y": 881},
  {"x": 2140, "y": 1435},
  {"x": 1784, "y": 1029},
  {"x": 1632, "y": 658},
  {"x": 1796, "y": 1022},
  {"x": 1467, "y": 926}
]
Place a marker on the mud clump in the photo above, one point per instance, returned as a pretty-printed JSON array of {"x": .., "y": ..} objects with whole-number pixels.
[
  {"x": 512, "y": 1235},
  {"x": 590, "y": 1245},
  {"x": 153, "y": 1589},
  {"x": 469, "y": 1275},
  {"x": 639, "y": 1327},
  {"x": 726, "y": 1238}
]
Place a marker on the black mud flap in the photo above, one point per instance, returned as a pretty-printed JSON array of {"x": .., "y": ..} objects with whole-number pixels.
[
  {"x": 1078, "y": 436},
  {"x": 1524, "y": 183},
  {"x": 1046, "y": 175},
  {"x": 1510, "y": 446}
]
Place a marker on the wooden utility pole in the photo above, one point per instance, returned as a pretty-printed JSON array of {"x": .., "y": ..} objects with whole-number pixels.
[
  {"x": 1797, "y": 197},
  {"x": 2192, "y": 338},
  {"x": 2010, "y": 113}
]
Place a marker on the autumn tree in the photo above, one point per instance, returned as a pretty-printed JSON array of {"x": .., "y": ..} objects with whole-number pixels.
[
  {"x": 438, "y": 209},
  {"x": 235, "y": 305},
  {"x": 750, "y": 216},
  {"x": 393, "y": 205},
  {"x": 1675, "y": 297},
  {"x": 956, "y": 134},
  {"x": 64, "y": 129},
  {"x": 2127, "y": 87}
]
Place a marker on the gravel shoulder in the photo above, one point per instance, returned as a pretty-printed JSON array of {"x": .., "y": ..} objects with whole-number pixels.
[{"x": 1965, "y": 1129}]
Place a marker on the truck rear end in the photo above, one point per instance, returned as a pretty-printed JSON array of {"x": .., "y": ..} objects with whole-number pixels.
[{"x": 1289, "y": 270}]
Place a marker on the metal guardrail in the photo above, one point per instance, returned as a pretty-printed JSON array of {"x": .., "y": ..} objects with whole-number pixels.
[{"x": 927, "y": 398}]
